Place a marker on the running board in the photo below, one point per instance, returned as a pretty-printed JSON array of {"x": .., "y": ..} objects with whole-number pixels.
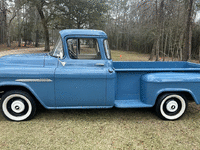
[{"x": 130, "y": 104}]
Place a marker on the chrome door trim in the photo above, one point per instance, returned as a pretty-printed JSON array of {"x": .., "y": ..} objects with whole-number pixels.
[{"x": 33, "y": 80}]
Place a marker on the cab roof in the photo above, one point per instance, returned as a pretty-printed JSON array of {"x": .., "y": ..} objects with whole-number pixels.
[{"x": 82, "y": 32}]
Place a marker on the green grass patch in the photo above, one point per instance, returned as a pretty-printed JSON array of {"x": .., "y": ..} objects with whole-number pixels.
[
  {"x": 128, "y": 56},
  {"x": 102, "y": 129}
]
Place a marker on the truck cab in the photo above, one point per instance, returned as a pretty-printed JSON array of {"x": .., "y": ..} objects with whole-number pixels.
[{"x": 85, "y": 72}]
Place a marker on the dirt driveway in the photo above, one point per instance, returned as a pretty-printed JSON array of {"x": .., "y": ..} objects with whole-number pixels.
[{"x": 22, "y": 51}]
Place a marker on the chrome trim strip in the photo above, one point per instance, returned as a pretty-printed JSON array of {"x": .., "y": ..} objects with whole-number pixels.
[{"x": 33, "y": 80}]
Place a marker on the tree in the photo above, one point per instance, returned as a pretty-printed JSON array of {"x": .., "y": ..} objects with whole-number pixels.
[
  {"x": 40, "y": 8},
  {"x": 12, "y": 10},
  {"x": 81, "y": 14},
  {"x": 3, "y": 20},
  {"x": 186, "y": 50}
]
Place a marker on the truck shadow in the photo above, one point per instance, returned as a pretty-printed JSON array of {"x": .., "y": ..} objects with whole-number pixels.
[
  {"x": 92, "y": 114},
  {"x": 97, "y": 114},
  {"x": 133, "y": 114},
  {"x": 113, "y": 114}
]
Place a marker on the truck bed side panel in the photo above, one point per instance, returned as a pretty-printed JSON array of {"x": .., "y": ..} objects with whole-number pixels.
[{"x": 128, "y": 85}]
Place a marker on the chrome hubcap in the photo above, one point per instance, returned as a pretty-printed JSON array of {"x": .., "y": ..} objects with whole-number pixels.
[
  {"x": 18, "y": 106},
  {"x": 172, "y": 106}
]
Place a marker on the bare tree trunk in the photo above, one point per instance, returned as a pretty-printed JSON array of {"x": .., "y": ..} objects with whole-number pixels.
[
  {"x": 157, "y": 48},
  {"x": 159, "y": 24},
  {"x": 153, "y": 51},
  {"x": 164, "y": 51},
  {"x": 128, "y": 42},
  {"x": 190, "y": 41},
  {"x": 52, "y": 37},
  {"x": 160, "y": 18},
  {"x": 199, "y": 54},
  {"x": 19, "y": 30},
  {"x": 1, "y": 27},
  {"x": 36, "y": 38},
  {"x": 44, "y": 24},
  {"x": 175, "y": 45},
  {"x": 180, "y": 46},
  {"x": 162, "y": 40},
  {"x": 170, "y": 42},
  {"x": 117, "y": 42},
  {"x": 78, "y": 25},
  {"x": 187, "y": 31},
  {"x": 4, "y": 20},
  {"x": 8, "y": 30},
  {"x": 8, "y": 38},
  {"x": 36, "y": 32}
]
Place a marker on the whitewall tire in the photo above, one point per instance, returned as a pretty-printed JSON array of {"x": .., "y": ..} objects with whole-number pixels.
[
  {"x": 171, "y": 106},
  {"x": 18, "y": 106}
]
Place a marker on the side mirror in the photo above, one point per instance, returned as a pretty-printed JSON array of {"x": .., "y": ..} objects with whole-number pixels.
[{"x": 61, "y": 55}]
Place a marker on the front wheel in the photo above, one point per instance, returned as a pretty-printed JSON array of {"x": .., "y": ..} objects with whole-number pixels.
[
  {"x": 171, "y": 106},
  {"x": 18, "y": 106}
]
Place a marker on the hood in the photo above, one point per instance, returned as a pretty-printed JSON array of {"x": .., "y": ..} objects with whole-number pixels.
[{"x": 24, "y": 59}]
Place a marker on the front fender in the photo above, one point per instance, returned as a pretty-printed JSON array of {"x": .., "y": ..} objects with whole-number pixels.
[{"x": 20, "y": 84}]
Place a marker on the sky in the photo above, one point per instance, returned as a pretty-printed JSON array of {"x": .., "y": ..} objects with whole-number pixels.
[{"x": 197, "y": 16}]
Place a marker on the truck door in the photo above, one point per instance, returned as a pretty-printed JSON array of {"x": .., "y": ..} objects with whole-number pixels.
[{"x": 82, "y": 81}]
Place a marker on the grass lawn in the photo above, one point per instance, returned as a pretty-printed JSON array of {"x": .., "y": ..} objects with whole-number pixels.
[
  {"x": 120, "y": 129},
  {"x": 128, "y": 56}
]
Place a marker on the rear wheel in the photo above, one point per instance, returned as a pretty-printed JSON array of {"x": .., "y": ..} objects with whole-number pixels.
[
  {"x": 171, "y": 106},
  {"x": 18, "y": 106}
]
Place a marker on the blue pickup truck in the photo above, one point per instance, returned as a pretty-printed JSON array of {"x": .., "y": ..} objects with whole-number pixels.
[{"x": 80, "y": 74}]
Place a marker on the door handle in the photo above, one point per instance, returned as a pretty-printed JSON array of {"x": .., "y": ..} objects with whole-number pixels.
[
  {"x": 99, "y": 64},
  {"x": 110, "y": 71}
]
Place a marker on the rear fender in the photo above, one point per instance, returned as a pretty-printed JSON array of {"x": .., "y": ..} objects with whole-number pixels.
[
  {"x": 177, "y": 90},
  {"x": 154, "y": 84}
]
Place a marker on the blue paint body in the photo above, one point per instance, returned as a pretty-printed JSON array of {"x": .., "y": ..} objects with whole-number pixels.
[{"x": 83, "y": 84}]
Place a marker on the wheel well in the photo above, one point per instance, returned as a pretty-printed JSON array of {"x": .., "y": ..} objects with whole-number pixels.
[
  {"x": 187, "y": 95},
  {"x": 4, "y": 89}
]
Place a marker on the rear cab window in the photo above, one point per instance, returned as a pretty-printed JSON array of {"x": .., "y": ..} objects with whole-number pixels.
[{"x": 107, "y": 50}]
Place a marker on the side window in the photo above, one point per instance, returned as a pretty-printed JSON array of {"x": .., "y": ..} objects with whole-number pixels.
[
  {"x": 83, "y": 48},
  {"x": 58, "y": 47}
]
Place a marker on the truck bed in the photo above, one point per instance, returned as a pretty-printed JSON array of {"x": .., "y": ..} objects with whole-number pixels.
[
  {"x": 128, "y": 82},
  {"x": 155, "y": 66}
]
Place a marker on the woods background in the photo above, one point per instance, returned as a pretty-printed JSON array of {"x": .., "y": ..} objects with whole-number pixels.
[{"x": 160, "y": 28}]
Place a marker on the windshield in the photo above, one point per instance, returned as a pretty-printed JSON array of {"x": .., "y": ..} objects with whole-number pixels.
[
  {"x": 57, "y": 48},
  {"x": 107, "y": 50}
]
